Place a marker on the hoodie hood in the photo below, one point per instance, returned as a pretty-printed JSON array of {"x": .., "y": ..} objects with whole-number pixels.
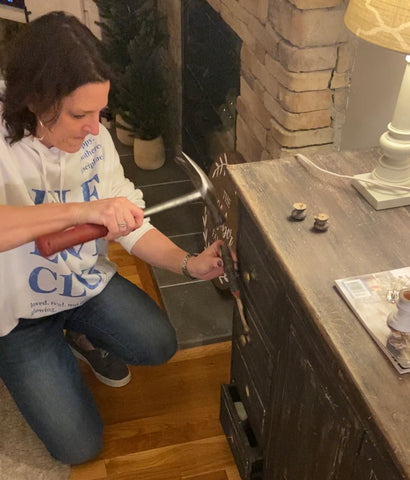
[{"x": 52, "y": 163}]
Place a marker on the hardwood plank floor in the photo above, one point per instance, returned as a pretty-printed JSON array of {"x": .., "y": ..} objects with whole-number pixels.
[{"x": 163, "y": 425}]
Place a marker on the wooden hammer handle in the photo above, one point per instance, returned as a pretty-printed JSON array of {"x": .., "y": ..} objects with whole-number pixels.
[{"x": 56, "y": 242}]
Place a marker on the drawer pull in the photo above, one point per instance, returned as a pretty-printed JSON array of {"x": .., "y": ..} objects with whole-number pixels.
[
  {"x": 246, "y": 276},
  {"x": 244, "y": 339},
  {"x": 247, "y": 392},
  {"x": 249, "y": 276}
]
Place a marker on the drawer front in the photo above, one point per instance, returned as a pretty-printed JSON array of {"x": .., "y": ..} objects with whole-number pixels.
[
  {"x": 251, "y": 398},
  {"x": 255, "y": 352},
  {"x": 239, "y": 435},
  {"x": 260, "y": 275},
  {"x": 371, "y": 465},
  {"x": 314, "y": 433}
]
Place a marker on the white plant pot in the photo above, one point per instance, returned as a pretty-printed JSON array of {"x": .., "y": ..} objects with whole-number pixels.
[
  {"x": 149, "y": 154},
  {"x": 124, "y": 136}
]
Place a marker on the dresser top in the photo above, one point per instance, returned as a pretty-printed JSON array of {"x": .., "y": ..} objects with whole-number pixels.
[{"x": 360, "y": 240}]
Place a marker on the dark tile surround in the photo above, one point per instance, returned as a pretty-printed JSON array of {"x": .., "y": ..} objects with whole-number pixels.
[{"x": 200, "y": 312}]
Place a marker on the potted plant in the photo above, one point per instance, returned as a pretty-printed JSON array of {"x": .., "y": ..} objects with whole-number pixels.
[
  {"x": 119, "y": 22},
  {"x": 141, "y": 93}
]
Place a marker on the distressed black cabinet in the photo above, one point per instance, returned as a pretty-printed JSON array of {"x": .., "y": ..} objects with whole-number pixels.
[
  {"x": 372, "y": 463},
  {"x": 311, "y": 396},
  {"x": 320, "y": 435}
]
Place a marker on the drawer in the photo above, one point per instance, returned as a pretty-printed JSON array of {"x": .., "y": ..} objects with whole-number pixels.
[
  {"x": 255, "y": 352},
  {"x": 251, "y": 398},
  {"x": 307, "y": 335},
  {"x": 260, "y": 277},
  {"x": 241, "y": 439},
  {"x": 374, "y": 464}
]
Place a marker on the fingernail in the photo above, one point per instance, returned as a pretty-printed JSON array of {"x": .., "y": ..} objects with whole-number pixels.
[{"x": 219, "y": 263}]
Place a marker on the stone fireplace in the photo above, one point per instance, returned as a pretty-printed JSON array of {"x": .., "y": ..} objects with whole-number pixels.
[
  {"x": 211, "y": 69},
  {"x": 295, "y": 68}
]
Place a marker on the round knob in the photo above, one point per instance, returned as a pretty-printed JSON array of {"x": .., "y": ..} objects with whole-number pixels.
[
  {"x": 242, "y": 340},
  {"x": 246, "y": 276}
]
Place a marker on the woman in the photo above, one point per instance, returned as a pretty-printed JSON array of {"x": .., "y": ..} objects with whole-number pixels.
[{"x": 59, "y": 168}]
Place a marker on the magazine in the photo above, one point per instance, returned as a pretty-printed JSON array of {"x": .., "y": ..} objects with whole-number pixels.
[{"x": 372, "y": 297}]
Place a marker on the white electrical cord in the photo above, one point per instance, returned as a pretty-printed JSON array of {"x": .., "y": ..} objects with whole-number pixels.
[{"x": 374, "y": 182}]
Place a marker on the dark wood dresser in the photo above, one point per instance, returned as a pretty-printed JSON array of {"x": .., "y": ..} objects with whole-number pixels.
[{"x": 312, "y": 397}]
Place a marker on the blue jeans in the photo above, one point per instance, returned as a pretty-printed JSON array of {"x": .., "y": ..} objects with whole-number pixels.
[{"x": 43, "y": 377}]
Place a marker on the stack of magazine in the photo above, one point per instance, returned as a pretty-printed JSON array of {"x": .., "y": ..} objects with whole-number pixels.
[{"x": 372, "y": 297}]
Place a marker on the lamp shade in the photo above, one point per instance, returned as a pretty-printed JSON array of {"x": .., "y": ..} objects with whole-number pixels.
[{"x": 383, "y": 22}]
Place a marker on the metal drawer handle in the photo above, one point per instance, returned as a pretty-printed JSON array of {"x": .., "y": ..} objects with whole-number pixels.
[
  {"x": 248, "y": 276},
  {"x": 244, "y": 339}
]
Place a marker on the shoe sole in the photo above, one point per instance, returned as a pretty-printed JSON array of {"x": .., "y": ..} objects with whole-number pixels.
[{"x": 111, "y": 383}]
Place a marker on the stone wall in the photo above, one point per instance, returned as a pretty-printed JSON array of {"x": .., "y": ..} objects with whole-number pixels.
[{"x": 296, "y": 62}]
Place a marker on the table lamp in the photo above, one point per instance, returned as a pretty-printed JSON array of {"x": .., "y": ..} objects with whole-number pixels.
[{"x": 387, "y": 23}]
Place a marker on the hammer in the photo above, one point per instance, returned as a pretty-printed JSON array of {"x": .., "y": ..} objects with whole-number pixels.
[{"x": 55, "y": 242}]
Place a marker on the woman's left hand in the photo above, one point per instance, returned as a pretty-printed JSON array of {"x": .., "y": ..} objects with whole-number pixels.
[{"x": 208, "y": 264}]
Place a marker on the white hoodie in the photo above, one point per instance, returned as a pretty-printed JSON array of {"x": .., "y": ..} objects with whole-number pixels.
[{"x": 30, "y": 173}]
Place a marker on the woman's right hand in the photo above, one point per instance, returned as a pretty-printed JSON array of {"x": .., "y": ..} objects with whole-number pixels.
[{"x": 118, "y": 215}]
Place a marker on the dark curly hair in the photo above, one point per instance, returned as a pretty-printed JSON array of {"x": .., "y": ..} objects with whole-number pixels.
[{"x": 50, "y": 58}]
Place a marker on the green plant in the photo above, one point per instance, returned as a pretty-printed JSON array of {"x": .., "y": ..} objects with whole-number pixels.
[
  {"x": 119, "y": 22},
  {"x": 8, "y": 30},
  {"x": 141, "y": 94}
]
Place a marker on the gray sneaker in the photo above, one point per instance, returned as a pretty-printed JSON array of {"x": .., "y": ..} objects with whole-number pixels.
[{"x": 108, "y": 368}]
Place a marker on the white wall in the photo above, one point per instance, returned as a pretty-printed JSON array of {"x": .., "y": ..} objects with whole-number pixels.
[
  {"x": 85, "y": 10},
  {"x": 376, "y": 81}
]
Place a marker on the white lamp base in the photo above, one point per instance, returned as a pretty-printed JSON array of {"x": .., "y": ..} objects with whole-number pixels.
[
  {"x": 379, "y": 197},
  {"x": 393, "y": 167}
]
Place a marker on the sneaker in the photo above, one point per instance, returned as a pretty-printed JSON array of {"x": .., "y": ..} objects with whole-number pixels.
[{"x": 109, "y": 369}]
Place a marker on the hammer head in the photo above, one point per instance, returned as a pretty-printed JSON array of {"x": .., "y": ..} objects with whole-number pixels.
[{"x": 203, "y": 185}]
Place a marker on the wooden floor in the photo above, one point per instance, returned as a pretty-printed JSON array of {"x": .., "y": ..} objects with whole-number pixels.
[{"x": 163, "y": 425}]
